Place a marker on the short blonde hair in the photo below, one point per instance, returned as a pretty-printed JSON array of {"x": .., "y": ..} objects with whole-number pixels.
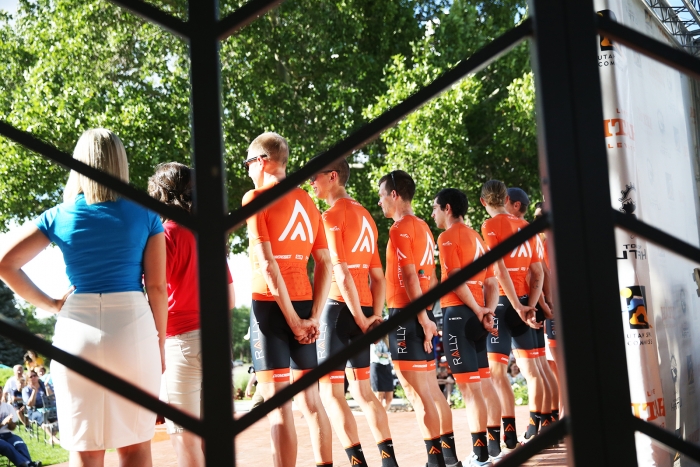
[
  {"x": 273, "y": 145},
  {"x": 103, "y": 150}
]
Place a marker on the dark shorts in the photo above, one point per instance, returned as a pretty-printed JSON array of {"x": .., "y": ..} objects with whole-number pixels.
[
  {"x": 406, "y": 345},
  {"x": 338, "y": 329},
  {"x": 272, "y": 344},
  {"x": 512, "y": 332},
  {"x": 464, "y": 341},
  {"x": 381, "y": 379},
  {"x": 551, "y": 329}
]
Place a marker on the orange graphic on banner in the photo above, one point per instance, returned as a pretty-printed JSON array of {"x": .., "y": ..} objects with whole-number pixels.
[
  {"x": 444, "y": 445},
  {"x": 355, "y": 461},
  {"x": 510, "y": 427},
  {"x": 385, "y": 455},
  {"x": 639, "y": 317},
  {"x": 479, "y": 443},
  {"x": 434, "y": 450}
]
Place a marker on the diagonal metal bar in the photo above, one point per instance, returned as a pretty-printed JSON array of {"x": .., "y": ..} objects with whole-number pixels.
[
  {"x": 670, "y": 56},
  {"x": 49, "y": 151},
  {"x": 155, "y": 15},
  {"x": 656, "y": 236},
  {"x": 546, "y": 438},
  {"x": 406, "y": 314},
  {"x": 663, "y": 436},
  {"x": 244, "y": 16},
  {"x": 104, "y": 378},
  {"x": 371, "y": 130}
]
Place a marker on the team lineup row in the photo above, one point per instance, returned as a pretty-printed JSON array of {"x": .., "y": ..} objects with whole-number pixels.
[{"x": 294, "y": 325}]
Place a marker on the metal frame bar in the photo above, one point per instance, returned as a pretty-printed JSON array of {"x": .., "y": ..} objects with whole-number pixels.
[{"x": 569, "y": 112}]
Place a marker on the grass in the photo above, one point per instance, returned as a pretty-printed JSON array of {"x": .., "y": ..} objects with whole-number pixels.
[{"x": 40, "y": 451}]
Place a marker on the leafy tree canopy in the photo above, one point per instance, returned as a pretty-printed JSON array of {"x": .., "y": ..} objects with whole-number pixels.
[{"x": 10, "y": 353}]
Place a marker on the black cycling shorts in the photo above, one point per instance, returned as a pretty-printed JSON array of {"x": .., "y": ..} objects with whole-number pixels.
[
  {"x": 406, "y": 345},
  {"x": 512, "y": 332},
  {"x": 551, "y": 329},
  {"x": 338, "y": 329},
  {"x": 464, "y": 342},
  {"x": 273, "y": 346}
]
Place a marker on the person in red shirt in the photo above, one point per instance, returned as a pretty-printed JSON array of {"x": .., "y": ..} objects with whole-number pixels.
[
  {"x": 285, "y": 312},
  {"x": 516, "y": 205},
  {"x": 467, "y": 321},
  {"x": 515, "y": 314},
  {"x": 354, "y": 304},
  {"x": 182, "y": 381},
  {"x": 410, "y": 272}
]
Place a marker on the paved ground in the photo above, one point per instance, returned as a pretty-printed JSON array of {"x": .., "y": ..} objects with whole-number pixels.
[{"x": 252, "y": 446}]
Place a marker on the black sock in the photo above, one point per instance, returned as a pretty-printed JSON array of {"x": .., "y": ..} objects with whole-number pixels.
[
  {"x": 555, "y": 415},
  {"x": 435, "y": 458},
  {"x": 386, "y": 451},
  {"x": 533, "y": 426},
  {"x": 355, "y": 455},
  {"x": 325, "y": 464},
  {"x": 510, "y": 436},
  {"x": 449, "y": 450},
  {"x": 479, "y": 445},
  {"x": 494, "y": 437},
  {"x": 545, "y": 419}
]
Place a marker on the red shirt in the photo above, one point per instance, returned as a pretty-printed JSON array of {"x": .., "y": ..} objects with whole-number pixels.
[
  {"x": 502, "y": 226},
  {"x": 352, "y": 239},
  {"x": 294, "y": 228},
  {"x": 410, "y": 242},
  {"x": 183, "y": 282},
  {"x": 459, "y": 247}
]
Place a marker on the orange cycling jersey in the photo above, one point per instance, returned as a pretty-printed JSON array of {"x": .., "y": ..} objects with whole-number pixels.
[
  {"x": 460, "y": 246},
  {"x": 497, "y": 229},
  {"x": 294, "y": 228},
  {"x": 410, "y": 242},
  {"x": 352, "y": 239}
]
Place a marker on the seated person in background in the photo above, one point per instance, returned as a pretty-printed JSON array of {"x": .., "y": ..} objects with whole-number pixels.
[
  {"x": 32, "y": 361},
  {"x": 11, "y": 445},
  {"x": 45, "y": 377},
  {"x": 445, "y": 381},
  {"x": 514, "y": 374},
  {"x": 12, "y": 392},
  {"x": 34, "y": 395}
]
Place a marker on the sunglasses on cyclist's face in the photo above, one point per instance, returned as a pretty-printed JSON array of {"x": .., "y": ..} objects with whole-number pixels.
[
  {"x": 247, "y": 162},
  {"x": 312, "y": 179}
]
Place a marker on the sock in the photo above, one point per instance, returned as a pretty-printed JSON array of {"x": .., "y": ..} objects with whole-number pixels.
[
  {"x": 510, "y": 436},
  {"x": 555, "y": 415},
  {"x": 435, "y": 457},
  {"x": 449, "y": 450},
  {"x": 386, "y": 451},
  {"x": 494, "y": 437},
  {"x": 534, "y": 425},
  {"x": 479, "y": 445},
  {"x": 325, "y": 464},
  {"x": 355, "y": 455},
  {"x": 546, "y": 419}
]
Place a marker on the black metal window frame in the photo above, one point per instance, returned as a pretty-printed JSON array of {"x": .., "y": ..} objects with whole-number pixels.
[{"x": 573, "y": 165}]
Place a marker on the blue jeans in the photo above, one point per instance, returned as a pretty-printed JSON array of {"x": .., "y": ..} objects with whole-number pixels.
[{"x": 13, "y": 447}]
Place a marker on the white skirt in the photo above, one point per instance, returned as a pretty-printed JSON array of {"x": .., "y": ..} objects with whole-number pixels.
[{"x": 116, "y": 332}]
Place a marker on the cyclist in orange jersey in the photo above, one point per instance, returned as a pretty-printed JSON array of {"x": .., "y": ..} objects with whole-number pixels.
[
  {"x": 285, "y": 309},
  {"x": 516, "y": 204},
  {"x": 550, "y": 323},
  {"x": 515, "y": 313},
  {"x": 466, "y": 321},
  {"x": 355, "y": 303},
  {"x": 410, "y": 271}
]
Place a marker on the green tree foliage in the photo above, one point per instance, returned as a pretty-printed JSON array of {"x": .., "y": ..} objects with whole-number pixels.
[
  {"x": 240, "y": 320},
  {"x": 482, "y": 128},
  {"x": 306, "y": 70},
  {"x": 42, "y": 327},
  {"x": 10, "y": 353}
]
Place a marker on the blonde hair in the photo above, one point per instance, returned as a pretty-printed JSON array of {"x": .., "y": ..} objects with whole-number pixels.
[
  {"x": 494, "y": 192},
  {"x": 272, "y": 145},
  {"x": 103, "y": 150}
]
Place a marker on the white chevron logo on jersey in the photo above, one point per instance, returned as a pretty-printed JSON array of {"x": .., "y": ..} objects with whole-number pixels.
[
  {"x": 295, "y": 222},
  {"x": 479, "y": 251},
  {"x": 366, "y": 239},
  {"x": 539, "y": 247},
  {"x": 429, "y": 251},
  {"x": 523, "y": 250},
  {"x": 400, "y": 255}
]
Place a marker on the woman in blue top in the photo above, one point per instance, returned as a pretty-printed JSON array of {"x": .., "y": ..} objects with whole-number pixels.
[{"x": 108, "y": 244}]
